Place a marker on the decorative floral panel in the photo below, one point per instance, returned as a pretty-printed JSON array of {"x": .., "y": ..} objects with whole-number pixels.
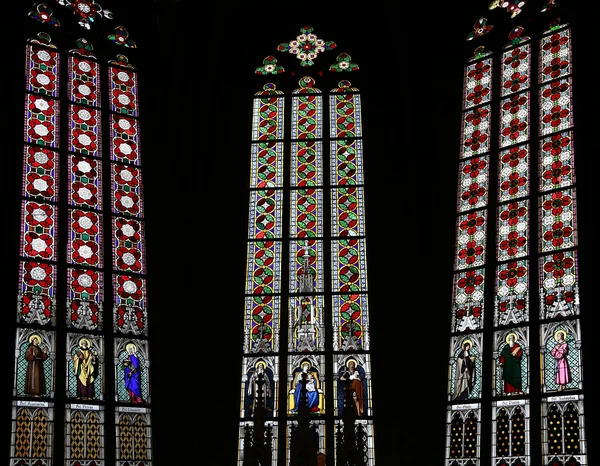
[
  {"x": 128, "y": 252},
  {"x": 85, "y": 238},
  {"x": 85, "y": 298},
  {"x": 263, "y": 272},
  {"x": 346, "y": 162},
  {"x": 39, "y": 234},
  {"x": 261, "y": 323},
  {"x": 511, "y": 305},
  {"x": 40, "y": 173},
  {"x": 43, "y": 66},
  {"x": 470, "y": 240},
  {"x": 123, "y": 91},
  {"x": 268, "y": 114},
  {"x": 37, "y": 298},
  {"x": 350, "y": 322},
  {"x": 126, "y": 190},
  {"x": 85, "y": 186},
  {"x": 555, "y": 106},
  {"x": 84, "y": 130},
  {"x": 307, "y": 115},
  {"x": 84, "y": 84},
  {"x": 476, "y": 131},
  {"x": 559, "y": 285},
  {"x": 265, "y": 214},
  {"x": 513, "y": 173},
  {"x": 516, "y": 69},
  {"x": 555, "y": 55},
  {"x": 348, "y": 265},
  {"x": 557, "y": 164},
  {"x": 477, "y": 83},
  {"x": 347, "y": 211},
  {"x": 130, "y": 308},
  {"x": 473, "y": 183},
  {"x": 306, "y": 207},
  {"x": 345, "y": 115},
  {"x": 514, "y": 119},
  {"x": 41, "y": 120},
  {"x": 558, "y": 225},
  {"x": 513, "y": 230},
  {"x": 468, "y": 300},
  {"x": 125, "y": 139},
  {"x": 266, "y": 165},
  {"x": 306, "y": 165}
]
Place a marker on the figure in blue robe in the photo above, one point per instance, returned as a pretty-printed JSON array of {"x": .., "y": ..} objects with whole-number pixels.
[{"x": 131, "y": 374}]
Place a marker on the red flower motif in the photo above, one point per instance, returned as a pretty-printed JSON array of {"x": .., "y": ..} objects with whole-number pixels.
[
  {"x": 558, "y": 264},
  {"x": 40, "y": 158},
  {"x": 128, "y": 259},
  {"x": 129, "y": 230},
  {"x": 125, "y": 149},
  {"x": 477, "y": 94},
  {"x": 514, "y": 182},
  {"x": 556, "y": 67},
  {"x": 512, "y": 213},
  {"x": 43, "y": 79},
  {"x": 512, "y": 243},
  {"x": 473, "y": 193},
  {"x": 556, "y": 144},
  {"x": 555, "y": 90},
  {"x": 84, "y": 90},
  {"x": 124, "y": 126},
  {"x": 39, "y": 215},
  {"x": 556, "y": 173},
  {"x": 556, "y": 203},
  {"x": 44, "y": 57},
  {"x": 84, "y": 281},
  {"x": 513, "y": 104},
  {"x": 555, "y": 43},
  {"x": 558, "y": 234},
  {"x": 126, "y": 175},
  {"x": 130, "y": 287},
  {"x": 84, "y": 193},
  {"x": 479, "y": 70},
  {"x": 40, "y": 105},
  {"x": 513, "y": 84},
  {"x": 471, "y": 251},
  {"x": 472, "y": 223},
  {"x": 39, "y": 245},
  {"x": 477, "y": 138},
  {"x": 85, "y": 222},
  {"x": 123, "y": 100},
  {"x": 40, "y": 185},
  {"x": 514, "y": 156},
  {"x": 514, "y": 129},
  {"x": 473, "y": 167},
  {"x": 38, "y": 274},
  {"x": 477, "y": 115},
  {"x": 121, "y": 77},
  {"x": 85, "y": 252},
  {"x": 127, "y": 202},
  {"x": 557, "y": 113},
  {"x": 512, "y": 273},
  {"x": 515, "y": 57},
  {"x": 41, "y": 131},
  {"x": 84, "y": 140},
  {"x": 470, "y": 281}
]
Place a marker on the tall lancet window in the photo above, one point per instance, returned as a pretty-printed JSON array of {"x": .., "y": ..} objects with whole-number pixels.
[
  {"x": 81, "y": 387},
  {"x": 306, "y": 394},
  {"x": 516, "y": 391}
]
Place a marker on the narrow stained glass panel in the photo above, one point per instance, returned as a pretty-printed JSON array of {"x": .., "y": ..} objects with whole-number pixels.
[
  {"x": 85, "y": 187},
  {"x": 123, "y": 91},
  {"x": 558, "y": 222},
  {"x": 306, "y": 164},
  {"x": 85, "y": 366},
  {"x": 85, "y": 238},
  {"x": 557, "y": 165},
  {"x": 35, "y": 344},
  {"x": 84, "y": 130},
  {"x": 263, "y": 268},
  {"x": 475, "y": 131},
  {"x": 477, "y": 83},
  {"x": 511, "y": 305},
  {"x": 513, "y": 230},
  {"x": 41, "y": 120},
  {"x": 555, "y": 55},
  {"x": 128, "y": 246},
  {"x": 345, "y": 113},
  {"x": 267, "y": 114},
  {"x": 266, "y": 170},
  {"x": 350, "y": 322},
  {"x": 312, "y": 251},
  {"x": 265, "y": 213},
  {"x": 563, "y": 429},
  {"x": 356, "y": 368},
  {"x": 84, "y": 429},
  {"x": 348, "y": 265},
  {"x": 254, "y": 368},
  {"x": 32, "y": 433},
  {"x": 84, "y": 84},
  {"x": 37, "y": 299},
  {"x": 511, "y": 365},
  {"x": 511, "y": 430},
  {"x": 559, "y": 285},
  {"x": 346, "y": 162},
  {"x": 516, "y": 70},
  {"x": 261, "y": 328},
  {"x": 307, "y": 111},
  {"x": 134, "y": 436},
  {"x": 513, "y": 173},
  {"x": 126, "y": 190},
  {"x": 473, "y": 183},
  {"x": 43, "y": 66},
  {"x": 125, "y": 140},
  {"x": 40, "y": 174},
  {"x": 464, "y": 382},
  {"x": 130, "y": 309},
  {"x": 347, "y": 211},
  {"x": 132, "y": 366},
  {"x": 306, "y": 326},
  {"x": 470, "y": 240},
  {"x": 556, "y": 112},
  {"x": 463, "y": 427},
  {"x": 561, "y": 356},
  {"x": 39, "y": 230},
  {"x": 306, "y": 217},
  {"x": 467, "y": 300},
  {"x": 514, "y": 119},
  {"x": 85, "y": 291}
]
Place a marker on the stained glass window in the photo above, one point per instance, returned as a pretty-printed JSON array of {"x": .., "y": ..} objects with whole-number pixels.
[
  {"x": 306, "y": 327},
  {"x": 523, "y": 361}
]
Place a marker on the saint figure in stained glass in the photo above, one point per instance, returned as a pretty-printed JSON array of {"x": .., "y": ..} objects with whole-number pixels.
[{"x": 35, "y": 381}]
